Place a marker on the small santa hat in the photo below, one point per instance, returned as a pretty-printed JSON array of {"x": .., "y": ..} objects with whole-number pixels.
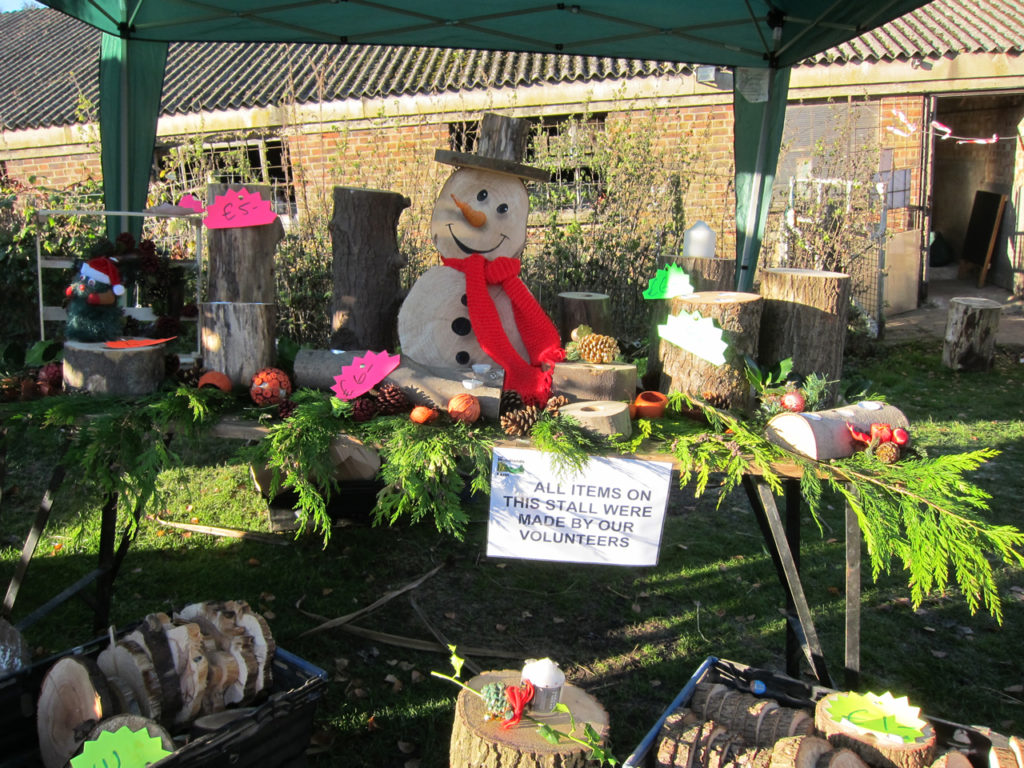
[{"x": 103, "y": 270}]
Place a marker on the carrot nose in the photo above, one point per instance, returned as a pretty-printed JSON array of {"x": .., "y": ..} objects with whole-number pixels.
[{"x": 474, "y": 217}]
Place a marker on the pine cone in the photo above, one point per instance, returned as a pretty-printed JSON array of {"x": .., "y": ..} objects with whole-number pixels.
[
  {"x": 391, "y": 399},
  {"x": 495, "y": 700},
  {"x": 888, "y": 453},
  {"x": 555, "y": 402},
  {"x": 519, "y": 423},
  {"x": 285, "y": 409},
  {"x": 10, "y": 388},
  {"x": 363, "y": 409},
  {"x": 715, "y": 400},
  {"x": 510, "y": 401},
  {"x": 190, "y": 376},
  {"x": 597, "y": 348}
]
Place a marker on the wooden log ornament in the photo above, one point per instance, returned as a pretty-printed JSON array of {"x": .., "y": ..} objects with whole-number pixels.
[
  {"x": 723, "y": 385},
  {"x": 970, "y": 340},
  {"x": 578, "y": 308},
  {"x": 238, "y": 338},
  {"x": 366, "y": 267},
  {"x": 480, "y": 743},
  {"x": 823, "y": 435},
  {"x": 873, "y": 748},
  {"x": 94, "y": 367},
  {"x": 241, "y": 259}
]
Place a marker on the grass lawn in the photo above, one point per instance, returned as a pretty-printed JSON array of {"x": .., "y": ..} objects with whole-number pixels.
[{"x": 629, "y": 636}]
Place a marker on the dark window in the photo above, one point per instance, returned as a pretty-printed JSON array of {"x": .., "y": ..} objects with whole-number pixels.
[{"x": 567, "y": 147}]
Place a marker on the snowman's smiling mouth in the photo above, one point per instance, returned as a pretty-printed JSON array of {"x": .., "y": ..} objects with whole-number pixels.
[{"x": 467, "y": 250}]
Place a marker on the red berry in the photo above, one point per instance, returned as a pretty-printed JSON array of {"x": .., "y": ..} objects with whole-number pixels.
[
  {"x": 900, "y": 436},
  {"x": 883, "y": 432},
  {"x": 793, "y": 401}
]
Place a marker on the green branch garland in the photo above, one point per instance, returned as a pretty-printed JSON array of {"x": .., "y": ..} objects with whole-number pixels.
[{"x": 922, "y": 513}]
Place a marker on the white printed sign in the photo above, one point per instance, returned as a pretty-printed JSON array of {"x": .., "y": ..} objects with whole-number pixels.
[{"x": 612, "y": 512}]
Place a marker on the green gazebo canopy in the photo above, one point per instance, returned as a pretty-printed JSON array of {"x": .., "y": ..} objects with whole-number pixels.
[{"x": 762, "y": 40}]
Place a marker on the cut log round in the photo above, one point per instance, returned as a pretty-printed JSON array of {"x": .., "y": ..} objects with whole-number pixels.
[
  {"x": 706, "y": 699},
  {"x": 74, "y": 696},
  {"x": 366, "y": 267},
  {"x": 238, "y": 338},
  {"x": 191, "y": 665},
  {"x": 130, "y": 662},
  {"x": 952, "y": 759},
  {"x": 14, "y": 651},
  {"x": 602, "y": 418},
  {"x": 878, "y": 752},
  {"x": 133, "y": 723},
  {"x": 241, "y": 259},
  {"x": 264, "y": 646},
  {"x": 804, "y": 319},
  {"x": 798, "y": 751},
  {"x": 1017, "y": 747},
  {"x": 970, "y": 339},
  {"x": 578, "y": 308},
  {"x": 150, "y": 635},
  {"x": 1001, "y": 757},
  {"x": 595, "y": 381},
  {"x": 782, "y": 722},
  {"x": 841, "y": 758},
  {"x": 483, "y": 743},
  {"x": 738, "y": 315}
]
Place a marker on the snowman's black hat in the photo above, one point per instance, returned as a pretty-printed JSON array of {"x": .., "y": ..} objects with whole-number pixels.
[{"x": 500, "y": 148}]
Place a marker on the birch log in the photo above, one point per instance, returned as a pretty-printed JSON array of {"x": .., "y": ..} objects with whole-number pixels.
[
  {"x": 970, "y": 340},
  {"x": 241, "y": 259},
  {"x": 726, "y": 385},
  {"x": 237, "y": 338},
  {"x": 823, "y": 435},
  {"x": 583, "y": 308}
]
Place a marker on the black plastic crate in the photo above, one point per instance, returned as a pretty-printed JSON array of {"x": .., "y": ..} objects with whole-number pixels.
[
  {"x": 273, "y": 735},
  {"x": 973, "y": 741}
]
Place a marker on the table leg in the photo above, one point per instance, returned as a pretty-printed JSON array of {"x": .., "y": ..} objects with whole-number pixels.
[
  {"x": 778, "y": 538},
  {"x": 853, "y": 554},
  {"x": 105, "y": 582}
]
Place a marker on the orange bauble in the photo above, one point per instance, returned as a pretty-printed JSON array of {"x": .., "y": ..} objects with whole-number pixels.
[
  {"x": 464, "y": 407},
  {"x": 214, "y": 379},
  {"x": 270, "y": 386},
  {"x": 421, "y": 414}
]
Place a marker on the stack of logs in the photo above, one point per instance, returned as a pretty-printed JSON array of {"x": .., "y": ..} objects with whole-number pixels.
[
  {"x": 725, "y": 727},
  {"x": 162, "y": 676}
]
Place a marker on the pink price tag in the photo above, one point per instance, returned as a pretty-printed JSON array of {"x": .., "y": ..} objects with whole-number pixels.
[
  {"x": 239, "y": 208},
  {"x": 363, "y": 374}
]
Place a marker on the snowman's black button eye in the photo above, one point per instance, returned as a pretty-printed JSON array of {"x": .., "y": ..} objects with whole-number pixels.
[
  {"x": 464, "y": 300},
  {"x": 462, "y": 358},
  {"x": 503, "y": 208},
  {"x": 481, "y": 195},
  {"x": 462, "y": 326}
]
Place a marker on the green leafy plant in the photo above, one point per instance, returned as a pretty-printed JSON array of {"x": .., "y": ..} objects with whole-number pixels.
[{"x": 591, "y": 738}]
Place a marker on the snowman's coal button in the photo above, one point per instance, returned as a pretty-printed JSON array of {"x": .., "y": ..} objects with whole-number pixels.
[
  {"x": 462, "y": 326},
  {"x": 464, "y": 300},
  {"x": 462, "y": 358}
]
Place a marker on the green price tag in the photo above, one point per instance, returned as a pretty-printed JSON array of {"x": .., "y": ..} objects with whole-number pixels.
[
  {"x": 669, "y": 283},
  {"x": 697, "y": 335},
  {"x": 883, "y": 715},
  {"x": 124, "y": 748}
]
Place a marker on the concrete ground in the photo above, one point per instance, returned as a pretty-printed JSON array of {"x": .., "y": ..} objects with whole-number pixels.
[{"x": 929, "y": 320}]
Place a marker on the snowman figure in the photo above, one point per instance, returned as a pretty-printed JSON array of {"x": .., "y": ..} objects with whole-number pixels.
[{"x": 474, "y": 308}]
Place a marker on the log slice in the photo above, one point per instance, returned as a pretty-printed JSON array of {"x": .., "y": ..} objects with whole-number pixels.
[
  {"x": 74, "y": 696},
  {"x": 873, "y": 750},
  {"x": 482, "y": 743}
]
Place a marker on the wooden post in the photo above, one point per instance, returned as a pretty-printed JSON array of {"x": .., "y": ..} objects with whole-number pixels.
[
  {"x": 971, "y": 326},
  {"x": 578, "y": 308},
  {"x": 804, "y": 319},
  {"x": 241, "y": 259},
  {"x": 480, "y": 743},
  {"x": 739, "y": 316},
  {"x": 237, "y": 338},
  {"x": 706, "y": 274},
  {"x": 366, "y": 267}
]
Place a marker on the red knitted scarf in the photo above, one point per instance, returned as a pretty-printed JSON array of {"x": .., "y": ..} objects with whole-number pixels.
[{"x": 532, "y": 380}]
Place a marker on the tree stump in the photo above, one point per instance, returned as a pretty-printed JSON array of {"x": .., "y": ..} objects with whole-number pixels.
[
  {"x": 971, "y": 326},
  {"x": 366, "y": 268},
  {"x": 583, "y": 308},
  {"x": 94, "y": 367},
  {"x": 241, "y": 259},
  {"x": 601, "y": 417},
  {"x": 237, "y": 338},
  {"x": 480, "y": 743},
  {"x": 725, "y": 386},
  {"x": 706, "y": 274},
  {"x": 804, "y": 319}
]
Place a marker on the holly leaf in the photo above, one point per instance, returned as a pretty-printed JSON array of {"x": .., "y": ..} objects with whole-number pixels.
[
  {"x": 548, "y": 733},
  {"x": 668, "y": 283},
  {"x": 456, "y": 660},
  {"x": 697, "y": 335}
]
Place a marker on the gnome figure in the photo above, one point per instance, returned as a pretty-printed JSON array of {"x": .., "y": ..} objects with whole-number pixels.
[
  {"x": 93, "y": 313},
  {"x": 475, "y": 309}
]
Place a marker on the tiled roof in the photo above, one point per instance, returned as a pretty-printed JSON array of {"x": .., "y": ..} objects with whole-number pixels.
[{"x": 48, "y": 64}]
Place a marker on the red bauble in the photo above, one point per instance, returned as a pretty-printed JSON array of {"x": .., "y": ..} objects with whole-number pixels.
[
  {"x": 793, "y": 401},
  {"x": 270, "y": 386}
]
